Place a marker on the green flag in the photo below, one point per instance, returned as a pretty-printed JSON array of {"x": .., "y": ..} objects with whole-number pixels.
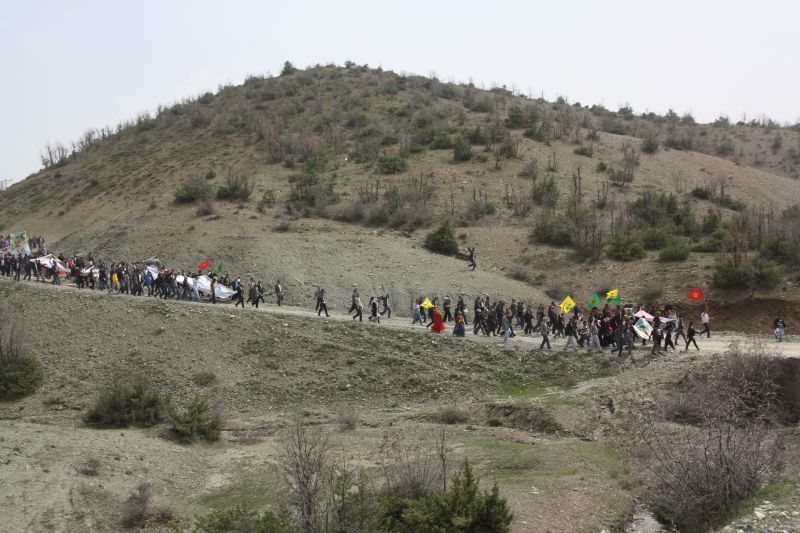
[
  {"x": 594, "y": 301},
  {"x": 219, "y": 267}
]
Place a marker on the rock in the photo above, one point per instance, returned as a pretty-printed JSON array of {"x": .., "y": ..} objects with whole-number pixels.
[{"x": 759, "y": 515}]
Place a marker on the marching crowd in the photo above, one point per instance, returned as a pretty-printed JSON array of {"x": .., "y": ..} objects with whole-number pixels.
[{"x": 594, "y": 329}]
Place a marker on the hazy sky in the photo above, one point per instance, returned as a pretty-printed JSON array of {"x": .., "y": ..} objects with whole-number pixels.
[{"x": 70, "y": 66}]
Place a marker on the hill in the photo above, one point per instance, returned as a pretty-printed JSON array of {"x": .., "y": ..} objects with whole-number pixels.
[{"x": 344, "y": 170}]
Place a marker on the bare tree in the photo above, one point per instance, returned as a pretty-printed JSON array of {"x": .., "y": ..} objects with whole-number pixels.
[{"x": 307, "y": 468}]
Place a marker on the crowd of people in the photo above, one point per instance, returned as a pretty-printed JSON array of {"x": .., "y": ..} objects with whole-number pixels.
[{"x": 594, "y": 329}]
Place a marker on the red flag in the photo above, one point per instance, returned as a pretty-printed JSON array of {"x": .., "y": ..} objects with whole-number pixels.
[
  {"x": 204, "y": 265},
  {"x": 696, "y": 294}
]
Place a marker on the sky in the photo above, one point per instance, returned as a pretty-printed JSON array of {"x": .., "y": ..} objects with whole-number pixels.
[{"x": 71, "y": 66}]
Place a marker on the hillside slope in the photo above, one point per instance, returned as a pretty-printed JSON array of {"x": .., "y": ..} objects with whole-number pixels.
[{"x": 349, "y": 127}]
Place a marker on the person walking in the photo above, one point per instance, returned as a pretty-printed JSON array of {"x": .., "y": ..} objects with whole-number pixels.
[
  {"x": 213, "y": 277},
  {"x": 473, "y": 258},
  {"x": 359, "y": 309},
  {"x": 690, "y": 333},
  {"x": 387, "y": 309},
  {"x": 278, "y": 292},
  {"x": 237, "y": 286},
  {"x": 448, "y": 317},
  {"x": 704, "y": 318},
  {"x": 594, "y": 342},
  {"x": 570, "y": 332},
  {"x": 544, "y": 330},
  {"x": 459, "y": 329},
  {"x": 506, "y": 327},
  {"x": 417, "y": 318},
  {"x": 322, "y": 305}
]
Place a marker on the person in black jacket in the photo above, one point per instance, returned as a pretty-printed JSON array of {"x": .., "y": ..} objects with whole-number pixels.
[{"x": 690, "y": 333}]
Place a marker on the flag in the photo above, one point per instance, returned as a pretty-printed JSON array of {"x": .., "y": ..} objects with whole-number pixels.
[
  {"x": 696, "y": 294},
  {"x": 219, "y": 268},
  {"x": 567, "y": 305},
  {"x": 612, "y": 296},
  {"x": 426, "y": 304},
  {"x": 204, "y": 265},
  {"x": 594, "y": 301}
]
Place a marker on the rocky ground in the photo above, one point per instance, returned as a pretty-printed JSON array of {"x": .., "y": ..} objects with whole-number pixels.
[{"x": 269, "y": 365}]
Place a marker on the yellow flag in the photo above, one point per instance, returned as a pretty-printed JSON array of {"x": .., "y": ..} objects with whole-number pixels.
[
  {"x": 426, "y": 304},
  {"x": 567, "y": 304},
  {"x": 612, "y": 294}
]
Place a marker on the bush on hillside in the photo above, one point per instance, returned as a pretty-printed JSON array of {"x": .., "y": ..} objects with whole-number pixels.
[
  {"x": 676, "y": 250},
  {"x": 626, "y": 248},
  {"x": 553, "y": 231},
  {"x": 236, "y": 187},
  {"x": 391, "y": 164},
  {"x": 242, "y": 520},
  {"x": 198, "y": 421},
  {"x": 701, "y": 193},
  {"x": 442, "y": 240},
  {"x": 20, "y": 374},
  {"x": 730, "y": 276},
  {"x": 462, "y": 150},
  {"x": 461, "y": 508},
  {"x": 766, "y": 274},
  {"x": 649, "y": 145},
  {"x": 655, "y": 239},
  {"x": 193, "y": 189},
  {"x": 122, "y": 406}
]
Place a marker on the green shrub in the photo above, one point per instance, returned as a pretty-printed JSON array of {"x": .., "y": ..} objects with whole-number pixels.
[
  {"x": 198, "y": 421},
  {"x": 701, "y": 192},
  {"x": 676, "y": 250},
  {"x": 242, "y": 520},
  {"x": 767, "y": 274},
  {"x": 441, "y": 141},
  {"x": 192, "y": 190},
  {"x": 649, "y": 145},
  {"x": 125, "y": 405},
  {"x": 602, "y": 166},
  {"x": 732, "y": 204},
  {"x": 20, "y": 374},
  {"x": 711, "y": 221},
  {"x": 442, "y": 240},
  {"x": 655, "y": 239},
  {"x": 553, "y": 231},
  {"x": 462, "y": 508},
  {"x": 462, "y": 150},
  {"x": 391, "y": 164},
  {"x": 626, "y": 248},
  {"x": 729, "y": 276},
  {"x": 777, "y": 248}
]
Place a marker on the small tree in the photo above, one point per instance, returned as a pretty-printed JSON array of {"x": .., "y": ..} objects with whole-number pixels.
[
  {"x": 288, "y": 69},
  {"x": 442, "y": 240},
  {"x": 462, "y": 151}
]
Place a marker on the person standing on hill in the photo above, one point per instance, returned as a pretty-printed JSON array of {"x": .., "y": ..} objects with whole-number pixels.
[
  {"x": 780, "y": 328},
  {"x": 373, "y": 308},
  {"x": 278, "y": 292},
  {"x": 473, "y": 258},
  {"x": 213, "y": 288},
  {"x": 705, "y": 320},
  {"x": 353, "y": 301},
  {"x": 322, "y": 305},
  {"x": 570, "y": 331}
]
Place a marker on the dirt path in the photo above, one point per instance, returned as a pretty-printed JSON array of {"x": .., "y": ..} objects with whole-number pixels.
[{"x": 718, "y": 343}]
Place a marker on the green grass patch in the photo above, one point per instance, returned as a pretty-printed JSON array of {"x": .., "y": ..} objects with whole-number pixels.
[
  {"x": 775, "y": 493},
  {"x": 248, "y": 490},
  {"x": 517, "y": 386}
]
